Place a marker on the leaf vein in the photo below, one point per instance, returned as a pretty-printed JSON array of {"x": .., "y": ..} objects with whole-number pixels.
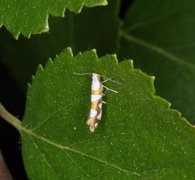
[
  {"x": 76, "y": 164},
  {"x": 62, "y": 147},
  {"x": 45, "y": 120},
  {"x": 151, "y": 21},
  {"x": 44, "y": 158},
  {"x": 156, "y": 49}
]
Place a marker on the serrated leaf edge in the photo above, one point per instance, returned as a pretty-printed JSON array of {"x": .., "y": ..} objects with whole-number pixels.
[
  {"x": 46, "y": 27},
  {"x": 40, "y": 70}
]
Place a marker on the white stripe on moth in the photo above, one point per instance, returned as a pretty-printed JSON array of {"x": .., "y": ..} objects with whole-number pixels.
[
  {"x": 96, "y": 124},
  {"x": 99, "y": 116},
  {"x": 93, "y": 113},
  {"x": 96, "y": 84},
  {"x": 96, "y": 97},
  {"x": 100, "y": 105}
]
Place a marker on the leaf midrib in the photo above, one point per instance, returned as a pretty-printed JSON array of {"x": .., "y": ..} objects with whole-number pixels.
[
  {"x": 156, "y": 49},
  {"x": 62, "y": 147}
]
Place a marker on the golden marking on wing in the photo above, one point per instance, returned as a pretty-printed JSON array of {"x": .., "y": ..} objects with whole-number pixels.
[
  {"x": 97, "y": 92},
  {"x": 92, "y": 121},
  {"x": 94, "y": 104}
]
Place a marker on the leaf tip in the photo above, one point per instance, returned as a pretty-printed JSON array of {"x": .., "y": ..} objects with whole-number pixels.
[
  {"x": 29, "y": 85},
  {"x": 46, "y": 28},
  {"x": 40, "y": 67},
  {"x": 94, "y": 54},
  {"x": 131, "y": 62},
  {"x": 69, "y": 51},
  {"x": 114, "y": 57},
  {"x": 153, "y": 77},
  {"x": 33, "y": 77},
  {"x": 63, "y": 12},
  {"x": 94, "y": 51},
  {"x": 50, "y": 60},
  {"x": 16, "y": 36},
  {"x": 89, "y": 53},
  {"x": 28, "y": 35},
  {"x": 102, "y": 3},
  {"x": 105, "y": 3}
]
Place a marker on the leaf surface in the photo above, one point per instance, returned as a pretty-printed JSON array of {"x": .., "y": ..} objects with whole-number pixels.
[
  {"x": 31, "y": 17},
  {"x": 160, "y": 37},
  {"x": 139, "y": 136}
]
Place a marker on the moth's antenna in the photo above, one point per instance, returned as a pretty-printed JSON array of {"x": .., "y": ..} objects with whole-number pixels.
[
  {"x": 82, "y": 74},
  {"x": 106, "y": 78},
  {"x": 110, "y": 89},
  {"x": 109, "y": 79}
]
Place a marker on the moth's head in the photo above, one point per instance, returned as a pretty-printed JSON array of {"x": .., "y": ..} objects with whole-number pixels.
[{"x": 96, "y": 77}]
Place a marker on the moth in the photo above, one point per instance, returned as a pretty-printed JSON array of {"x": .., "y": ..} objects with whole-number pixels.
[
  {"x": 95, "y": 114},
  {"x": 97, "y": 93}
]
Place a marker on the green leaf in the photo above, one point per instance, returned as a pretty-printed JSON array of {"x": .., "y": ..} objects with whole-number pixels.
[
  {"x": 31, "y": 17},
  {"x": 160, "y": 37},
  {"x": 138, "y": 136},
  {"x": 80, "y": 32}
]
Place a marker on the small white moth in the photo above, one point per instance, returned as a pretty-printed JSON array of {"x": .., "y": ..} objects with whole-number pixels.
[
  {"x": 96, "y": 102},
  {"x": 97, "y": 89}
]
